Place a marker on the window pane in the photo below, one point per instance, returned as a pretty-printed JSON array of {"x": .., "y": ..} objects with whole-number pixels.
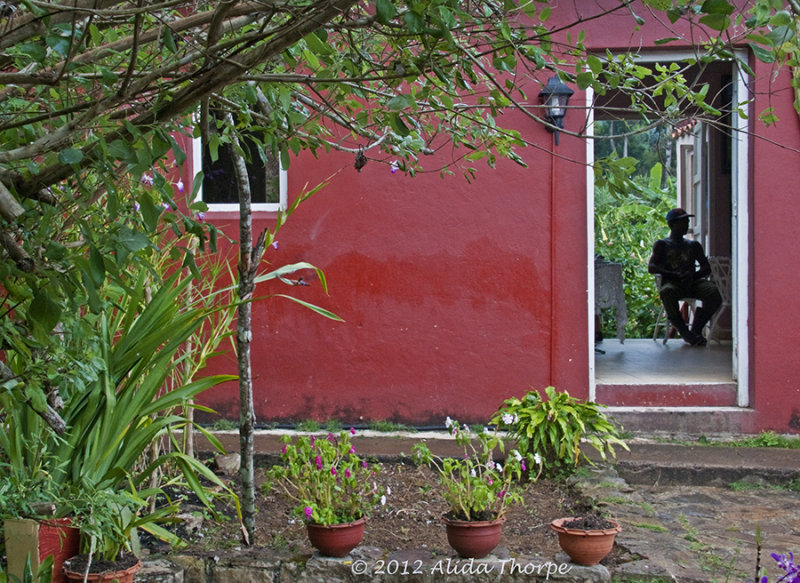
[{"x": 219, "y": 182}]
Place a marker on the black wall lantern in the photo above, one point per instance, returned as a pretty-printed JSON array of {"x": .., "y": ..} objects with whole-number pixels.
[{"x": 555, "y": 98}]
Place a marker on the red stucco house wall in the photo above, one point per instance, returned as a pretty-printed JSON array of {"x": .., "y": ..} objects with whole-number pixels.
[{"x": 457, "y": 294}]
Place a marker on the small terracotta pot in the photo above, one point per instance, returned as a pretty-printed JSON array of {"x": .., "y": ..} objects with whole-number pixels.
[
  {"x": 474, "y": 539},
  {"x": 336, "y": 540},
  {"x": 122, "y": 576},
  {"x": 585, "y": 547}
]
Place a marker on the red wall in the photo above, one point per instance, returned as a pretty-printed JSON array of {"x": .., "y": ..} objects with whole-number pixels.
[
  {"x": 775, "y": 273},
  {"x": 457, "y": 294},
  {"x": 444, "y": 286}
]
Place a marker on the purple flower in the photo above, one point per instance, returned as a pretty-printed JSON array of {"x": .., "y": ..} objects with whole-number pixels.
[
  {"x": 274, "y": 244},
  {"x": 331, "y": 437},
  {"x": 147, "y": 179},
  {"x": 312, "y": 440},
  {"x": 364, "y": 464},
  {"x": 352, "y": 431},
  {"x": 318, "y": 461},
  {"x": 395, "y": 166},
  {"x": 347, "y": 472},
  {"x": 333, "y": 471},
  {"x": 522, "y": 463},
  {"x": 352, "y": 449},
  {"x": 180, "y": 185},
  {"x": 308, "y": 511},
  {"x": 201, "y": 216},
  {"x": 501, "y": 494},
  {"x": 283, "y": 449}
]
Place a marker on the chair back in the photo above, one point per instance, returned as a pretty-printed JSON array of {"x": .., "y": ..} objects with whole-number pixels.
[{"x": 721, "y": 276}]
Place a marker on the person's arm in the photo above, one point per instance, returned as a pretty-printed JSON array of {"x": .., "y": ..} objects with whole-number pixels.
[
  {"x": 656, "y": 264},
  {"x": 702, "y": 261}
]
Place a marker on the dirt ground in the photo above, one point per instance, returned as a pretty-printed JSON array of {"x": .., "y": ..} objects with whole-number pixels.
[{"x": 411, "y": 519}]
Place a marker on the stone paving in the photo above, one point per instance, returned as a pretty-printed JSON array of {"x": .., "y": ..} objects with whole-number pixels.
[{"x": 702, "y": 529}]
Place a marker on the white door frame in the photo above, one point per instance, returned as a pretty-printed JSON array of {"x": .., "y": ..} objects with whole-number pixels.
[{"x": 740, "y": 231}]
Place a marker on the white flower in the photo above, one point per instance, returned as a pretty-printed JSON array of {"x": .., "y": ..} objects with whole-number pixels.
[
  {"x": 517, "y": 454},
  {"x": 383, "y": 500},
  {"x": 180, "y": 185},
  {"x": 508, "y": 418},
  {"x": 499, "y": 468},
  {"x": 389, "y": 490},
  {"x": 538, "y": 459},
  {"x": 448, "y": 422},
  {"x": 486, "y": 431},
  {"x": 473, "y": 473}
]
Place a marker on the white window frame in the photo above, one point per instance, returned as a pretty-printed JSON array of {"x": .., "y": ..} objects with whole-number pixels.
[{"x": 223, "y": 207}]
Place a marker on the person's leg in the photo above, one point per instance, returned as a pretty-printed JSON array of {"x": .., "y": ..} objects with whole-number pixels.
[
  {"x": 671, "y": 294},
  {"x": 705, "y": 291}
]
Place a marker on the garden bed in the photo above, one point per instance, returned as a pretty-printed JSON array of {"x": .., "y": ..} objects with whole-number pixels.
[{"x": 410, "y": 520}]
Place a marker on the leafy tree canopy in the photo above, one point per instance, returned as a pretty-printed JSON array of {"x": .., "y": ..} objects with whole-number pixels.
[{"x": 93, "y": 92}]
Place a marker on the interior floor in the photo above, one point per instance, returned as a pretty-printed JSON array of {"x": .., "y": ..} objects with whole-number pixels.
[{"x": 642, "y": 361}]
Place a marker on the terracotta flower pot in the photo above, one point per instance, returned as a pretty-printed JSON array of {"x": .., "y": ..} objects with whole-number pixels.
[
  {"x": 474, "y": 539},
  {"x": 336, "y": 540},
  {"x": 585, "y": 547},
  {"x": 123, "y": 575},
  {"x": 39, "y": 539}
]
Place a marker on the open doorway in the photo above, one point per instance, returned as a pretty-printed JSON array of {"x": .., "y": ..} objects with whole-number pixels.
[{"x": 637, "y": 364}]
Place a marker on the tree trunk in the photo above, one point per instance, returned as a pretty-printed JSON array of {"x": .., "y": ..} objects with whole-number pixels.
[{"x": 248, "y": 266}]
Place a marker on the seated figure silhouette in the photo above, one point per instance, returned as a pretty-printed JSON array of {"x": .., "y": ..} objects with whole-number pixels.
[{"x": 683, "y": 267}]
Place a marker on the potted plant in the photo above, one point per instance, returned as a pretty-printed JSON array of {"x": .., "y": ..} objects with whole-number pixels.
[
  {"x": 37, "y": 521},
  {"x": 39, "y": 532},
  {"x": 332, "y": 488},
  {"x": 478, "y": 488},
  {"x": 555, "y": 425},
  {"x": 108, "y": 522},
  {"x": 586, "y": 539},
  {"x": 113, "y": 408}
]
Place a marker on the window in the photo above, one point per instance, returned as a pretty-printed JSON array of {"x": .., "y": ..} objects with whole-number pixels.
[{"x": 218, "y": 191}]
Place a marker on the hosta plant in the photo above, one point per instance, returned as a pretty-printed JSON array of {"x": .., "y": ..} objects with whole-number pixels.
[
  {"x": 325, "y": 479},
  {"x": 484, "y": 482}
]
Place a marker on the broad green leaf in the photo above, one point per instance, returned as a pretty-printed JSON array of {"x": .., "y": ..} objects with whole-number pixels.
[
  {"x": 398, "y": 126},
  {"x": 717, "y": 7},
  {"x": 385, "y": 11},
  {"x": 316, "y": 44},
  {"x": 132, "y": 240},
  {"x": 762, "y": 54},
  {"x": 70, "y": 156},
  {"x": 400, "y": 102},
  {"x": 97, "y": 268},
  {"x": 716, "y": 21},
  {"x": 44, "y": 312},
  {"x": 585, "y": 80}
]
